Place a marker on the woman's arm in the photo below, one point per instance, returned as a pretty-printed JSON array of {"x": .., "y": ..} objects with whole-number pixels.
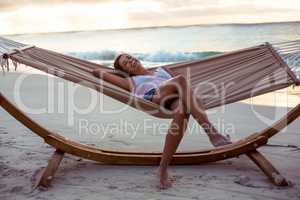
[{"x": 113, "y": 79}]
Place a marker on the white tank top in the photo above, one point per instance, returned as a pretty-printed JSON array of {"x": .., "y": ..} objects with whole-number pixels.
[{"x": 144, "y": 83}]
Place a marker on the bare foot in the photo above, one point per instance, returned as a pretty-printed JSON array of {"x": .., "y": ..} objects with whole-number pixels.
[
  {"x": 218, "y": 139},
  {"x": 164, "y": 180}
]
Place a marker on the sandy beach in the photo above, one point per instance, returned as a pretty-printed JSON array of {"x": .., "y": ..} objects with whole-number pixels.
[{"x": 110, "y": 125}]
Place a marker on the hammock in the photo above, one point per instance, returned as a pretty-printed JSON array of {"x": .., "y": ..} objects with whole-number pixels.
[{"x": 241, "y": 74}]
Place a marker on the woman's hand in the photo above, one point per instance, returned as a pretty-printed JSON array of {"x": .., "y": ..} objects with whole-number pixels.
[
  {"x": 113, "y": 79},
  {"x": 97, "y": 72}
]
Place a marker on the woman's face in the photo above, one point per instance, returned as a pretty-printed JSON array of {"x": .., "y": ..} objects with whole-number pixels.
[{"x": 131, "y": 65}]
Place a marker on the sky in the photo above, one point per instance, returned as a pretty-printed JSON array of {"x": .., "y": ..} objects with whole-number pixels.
[{"x": 35, "y": 16}]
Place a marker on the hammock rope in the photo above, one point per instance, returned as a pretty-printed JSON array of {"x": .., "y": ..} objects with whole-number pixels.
[{"x": 290, "y": 53}]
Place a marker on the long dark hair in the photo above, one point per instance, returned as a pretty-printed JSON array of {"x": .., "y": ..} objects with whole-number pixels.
[
  {"x": 118, "y": 69},
  {"x": 116, "y": 62}
]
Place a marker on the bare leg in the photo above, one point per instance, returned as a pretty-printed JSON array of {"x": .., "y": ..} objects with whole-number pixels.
[
  {"x": 173, "y": 138},
  {"x": 194, "y": 106},
  {"x": 179, "y": 123}
]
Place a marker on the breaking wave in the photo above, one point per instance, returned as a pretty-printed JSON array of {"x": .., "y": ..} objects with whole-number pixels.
[{"x": 159, "y": 56}]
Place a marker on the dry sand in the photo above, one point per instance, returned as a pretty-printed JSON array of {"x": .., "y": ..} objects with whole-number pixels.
[{"x": 23, "y": 154}]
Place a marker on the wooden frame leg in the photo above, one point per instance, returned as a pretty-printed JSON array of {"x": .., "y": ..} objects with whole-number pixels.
[
  {"x": 46, "y": 175},
  {"x": 268, "y": 169}
]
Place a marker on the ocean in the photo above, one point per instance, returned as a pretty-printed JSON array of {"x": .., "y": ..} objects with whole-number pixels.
[{"x": 162, "y": 45}]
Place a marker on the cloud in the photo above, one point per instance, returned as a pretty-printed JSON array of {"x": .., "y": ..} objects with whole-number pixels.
[
  {"x": 20, "y": 16},
  {"x": 175, "y": 12},
  {"x": 8, "y": 5}
]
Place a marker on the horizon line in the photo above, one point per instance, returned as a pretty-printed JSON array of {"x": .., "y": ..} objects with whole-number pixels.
[{"x": 152, "y": 27}]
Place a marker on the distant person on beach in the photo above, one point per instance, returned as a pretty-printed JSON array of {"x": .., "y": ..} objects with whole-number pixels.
[{"x": 174, "y": 93}]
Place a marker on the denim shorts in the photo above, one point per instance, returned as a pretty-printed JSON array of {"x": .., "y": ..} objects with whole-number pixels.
[{"x": 149, "y": 95}]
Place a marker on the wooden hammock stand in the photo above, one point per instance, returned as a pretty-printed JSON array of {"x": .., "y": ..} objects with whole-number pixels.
[{"x": 247, "y": 146}]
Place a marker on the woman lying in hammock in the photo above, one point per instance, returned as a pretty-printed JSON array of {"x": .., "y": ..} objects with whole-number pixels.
[{"x": 161, "y": 88}]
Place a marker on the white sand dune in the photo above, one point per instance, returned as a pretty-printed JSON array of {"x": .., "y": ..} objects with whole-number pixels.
[{"x": 22, "y": 153}]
